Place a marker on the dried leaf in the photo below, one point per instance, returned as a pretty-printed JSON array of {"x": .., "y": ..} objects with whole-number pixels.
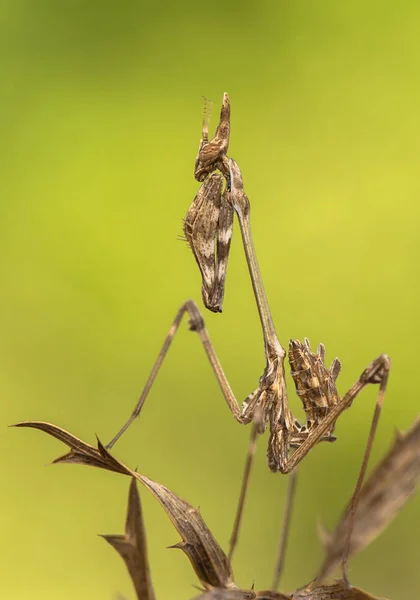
[
  {"x": 80, "y": 452},
  {"x": 132, "y": 546},
  {"x": 384, "y": 493},
  {"x": 224, "y": 594},
  {"x": 267, "y": 595},
  {"x": 207, "y": 558},
  {"x": 338, "y": 591}
]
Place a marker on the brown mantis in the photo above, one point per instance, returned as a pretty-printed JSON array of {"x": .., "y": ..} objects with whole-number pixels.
[{"x": 208, "y": 230}]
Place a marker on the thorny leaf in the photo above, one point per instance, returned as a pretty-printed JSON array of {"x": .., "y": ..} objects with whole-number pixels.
[
  {"x": 80, "y": 452},
  {"x": 224, "y": 594},
  {"x": 338, "y": 591},
  {"x": 268, "y": 595},
  {"x": 385, "y": 492},
  {"x": 132, "y": 547},
  {"x": 207, "y": 558}
]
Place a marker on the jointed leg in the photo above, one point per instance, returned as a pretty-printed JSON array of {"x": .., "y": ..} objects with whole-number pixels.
[
  {"x": 291, "y": 489},
  {"x": 379, "y": 376},
  {"x": 241, "y": 206},
  {"x": 252, "y": 447},
  {"x": 196, "y": 323},
  {"x": 376, "y": 372},
  {"x": 242, "y": 499}
]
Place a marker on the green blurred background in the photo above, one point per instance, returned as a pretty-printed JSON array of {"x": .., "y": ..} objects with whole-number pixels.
[{"x": 101, "y": 114}]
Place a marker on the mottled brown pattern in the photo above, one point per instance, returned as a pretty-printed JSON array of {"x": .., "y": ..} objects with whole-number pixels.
[
  {"x": 201, "y": 229},
  {"x": 315, "y": 385},
  {"x": 212, "y": 155},
  {"x": 209, "y": 221}
]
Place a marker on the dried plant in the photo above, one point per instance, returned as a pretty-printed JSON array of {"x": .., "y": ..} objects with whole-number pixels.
[
  {"x": 385, "y": 492},
  {"x": 132, "y": 546},
  {"x": 388, "y": 488}
]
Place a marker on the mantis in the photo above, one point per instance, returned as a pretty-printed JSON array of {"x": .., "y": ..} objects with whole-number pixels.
[{"x": 208, "y": 230}]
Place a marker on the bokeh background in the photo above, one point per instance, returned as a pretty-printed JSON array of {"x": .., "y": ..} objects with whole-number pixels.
[{"x": 101, "y": 115}]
